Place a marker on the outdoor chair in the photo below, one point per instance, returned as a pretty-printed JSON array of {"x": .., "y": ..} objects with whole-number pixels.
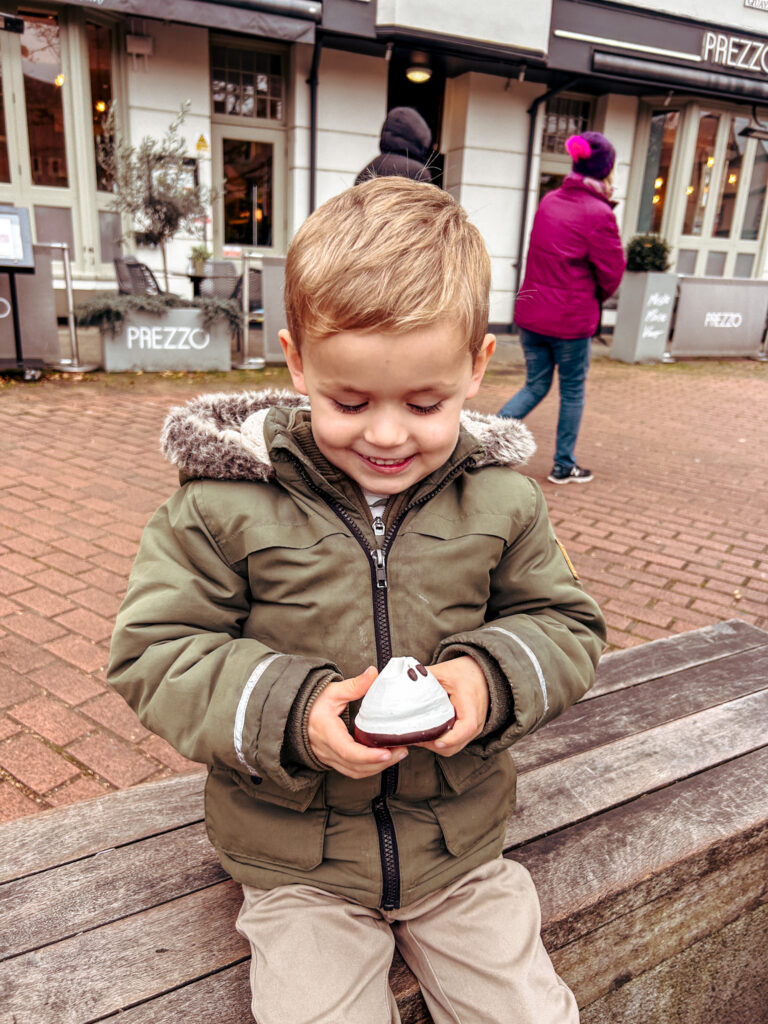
[
  {"x": 220, "y": 279},
  {"x": 135, "y": 278},
  {"x": 255, "y": 294}
]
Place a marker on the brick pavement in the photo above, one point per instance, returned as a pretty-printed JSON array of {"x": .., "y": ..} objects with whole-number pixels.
[{"x": 671, "y": 535}]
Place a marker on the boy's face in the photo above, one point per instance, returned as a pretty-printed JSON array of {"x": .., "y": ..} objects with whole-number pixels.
[{"x": 385, "y": 407}]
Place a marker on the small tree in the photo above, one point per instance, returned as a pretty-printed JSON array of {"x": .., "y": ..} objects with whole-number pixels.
[{"x": 153, "y": 182}]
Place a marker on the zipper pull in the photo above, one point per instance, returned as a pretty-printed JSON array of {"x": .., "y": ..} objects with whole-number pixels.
[
  {"x": 379, "y": 529},
  {"x": 381, "y": 568}
]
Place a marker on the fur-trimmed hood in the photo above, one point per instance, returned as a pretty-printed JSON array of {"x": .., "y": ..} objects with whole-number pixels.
[{"x": 220, "y": 436}]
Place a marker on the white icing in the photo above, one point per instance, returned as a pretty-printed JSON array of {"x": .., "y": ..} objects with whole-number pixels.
[{"x": 397, "y": 705}]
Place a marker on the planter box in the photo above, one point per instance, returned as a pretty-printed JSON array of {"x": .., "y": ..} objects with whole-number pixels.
[
  {"x": 176, "y": 340},
  {"x": 643, "y": 318}
]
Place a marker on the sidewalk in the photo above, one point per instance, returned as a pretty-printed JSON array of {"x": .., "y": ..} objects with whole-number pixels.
[{"x": 671, "y": 535}]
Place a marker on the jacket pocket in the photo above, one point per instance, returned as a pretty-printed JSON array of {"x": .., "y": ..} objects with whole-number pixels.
[
  {"x": 477, "y": 816},
  {"x": 253, "y": 831}
]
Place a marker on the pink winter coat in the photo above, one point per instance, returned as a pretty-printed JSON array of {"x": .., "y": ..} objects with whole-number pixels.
[{"x": 575, "y": 261}]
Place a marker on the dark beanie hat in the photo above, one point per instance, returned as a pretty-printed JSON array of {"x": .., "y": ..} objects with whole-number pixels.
[{"x": 592, "y": 154}]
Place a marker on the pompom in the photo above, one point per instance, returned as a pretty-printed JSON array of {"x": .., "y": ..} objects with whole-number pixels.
[{"x": 578, "y": 148}]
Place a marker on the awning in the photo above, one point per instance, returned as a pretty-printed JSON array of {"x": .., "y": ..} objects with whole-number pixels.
[
  {"x": 675, "y": 76},
  {"x": 289, "y": 20}
]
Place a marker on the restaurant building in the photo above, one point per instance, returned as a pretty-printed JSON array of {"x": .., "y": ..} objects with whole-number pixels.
[{"x": 287, "y": 97}]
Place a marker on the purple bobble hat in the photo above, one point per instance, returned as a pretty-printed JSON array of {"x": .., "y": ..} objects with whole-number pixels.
[{"x": 592, "y": 154}]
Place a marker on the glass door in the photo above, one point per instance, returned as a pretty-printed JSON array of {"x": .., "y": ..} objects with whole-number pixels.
[
  {"x": 249, "y": 165},
  {"x": 704, "y": 190}
]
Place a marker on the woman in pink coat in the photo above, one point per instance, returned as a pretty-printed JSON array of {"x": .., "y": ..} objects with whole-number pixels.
[{"x": 575, "y": 261}]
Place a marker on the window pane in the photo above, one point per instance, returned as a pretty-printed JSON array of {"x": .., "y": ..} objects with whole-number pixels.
[
  {"x": 701, "y": 175},
  {"x": 750, "y": 229},
  {"x": 744, "y": 262},
  {"x": 686, "y": 261},
  {"x": 5, "y": 164},
  {"x": 564, "y": 116},
  {"x": 54, "y": 224},
  {"x": 715, "y": 264},
  {"x": 664, "y": 125},
  {"x": 247, "y": 192},
  {"x": 729, "y": 182},
  {"x": 100, "y": 68},
  {"x": 246, "y": 83},
  {"x": 109, "y": 235},
  {"x": 43, "y": 82}
]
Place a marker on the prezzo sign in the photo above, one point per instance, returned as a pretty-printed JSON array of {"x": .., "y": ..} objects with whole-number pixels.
[
  {"x": 723, "y": 319},
  {"x": 735, "y": 52},
  {"x": 179, "y": 339}
]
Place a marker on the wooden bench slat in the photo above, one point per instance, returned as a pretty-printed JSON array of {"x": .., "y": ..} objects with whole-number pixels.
[
  {"x": 574, "y": 788},
  {"x": 607, "y": 866},
  {"x": 66, "y": 833},
  {"x": 621, "y": 669},
  {"x": 54, "y": 904},
  {"x": 91, "y": 975},
  {"x": 624, "y": 712}
]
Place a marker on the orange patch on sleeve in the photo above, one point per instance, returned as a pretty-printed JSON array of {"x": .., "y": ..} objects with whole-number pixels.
[{"x": 568, "y": 562}]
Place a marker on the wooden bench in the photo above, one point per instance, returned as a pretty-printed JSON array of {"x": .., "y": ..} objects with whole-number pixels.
[{"x": 643, "y": 817}]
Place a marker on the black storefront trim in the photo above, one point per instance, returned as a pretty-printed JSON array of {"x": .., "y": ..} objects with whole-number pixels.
[{"x": 675, "y": 76}]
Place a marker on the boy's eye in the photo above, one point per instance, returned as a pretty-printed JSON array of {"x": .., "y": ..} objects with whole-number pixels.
[
  {"x": 349, "y": 408},
  {"x": 425, "y": 410}
]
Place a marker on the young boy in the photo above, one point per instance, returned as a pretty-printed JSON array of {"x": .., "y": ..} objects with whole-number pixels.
[{"x": 310, "y": 542}]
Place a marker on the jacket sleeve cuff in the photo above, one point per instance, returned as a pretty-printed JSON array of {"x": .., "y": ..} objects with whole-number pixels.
[{"x": 297, "y": 749}]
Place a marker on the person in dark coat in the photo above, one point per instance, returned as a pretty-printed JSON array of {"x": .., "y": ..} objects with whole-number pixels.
[
  {"x": 404, "y": 145},
  {"x": 575, "y": 261}
]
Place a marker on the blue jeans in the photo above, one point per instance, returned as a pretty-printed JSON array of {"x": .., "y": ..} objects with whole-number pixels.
[{"x": 542, "y": 355}]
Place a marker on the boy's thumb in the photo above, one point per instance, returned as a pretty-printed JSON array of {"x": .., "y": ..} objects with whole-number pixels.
[{"x": 358, "y": 686}]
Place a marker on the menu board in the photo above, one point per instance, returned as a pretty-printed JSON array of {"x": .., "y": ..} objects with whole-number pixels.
[{"x": 16, "y": 251}]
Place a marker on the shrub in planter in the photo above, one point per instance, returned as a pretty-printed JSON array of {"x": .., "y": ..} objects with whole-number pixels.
[
  {"x": 647, "y": 252},
  {"x": 646, "y": 299}
]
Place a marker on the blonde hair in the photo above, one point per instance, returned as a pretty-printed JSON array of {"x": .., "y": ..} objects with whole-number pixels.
[{"x": 389, "y": 255}]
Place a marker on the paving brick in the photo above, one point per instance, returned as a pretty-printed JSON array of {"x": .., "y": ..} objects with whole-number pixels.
[
  {"x": 16, "y": 804},
  {"x": 67, "y": 683},
  {"x": 51, "y": 719},
  {"x": 21, "y": 655},
  {"x": 98, "y": 601},
  {"x": 90, "y": 625},
  {"x": 43, "y": 601},
  {"x": 14, "y": 687},
  {"x": 35, "y": 764},
  {"x": 84, "y": 787},
  {"x": 8, "y": 727},
  {"x": 63, "y": 562},
  {"x": 79, "y": 652},
  {"x": 111, "y": 711},
  {"x": 19, "y": 564},
  {"x": 57, "y": 581},
  {"x": 33, "y": 627},
  {"x": 157, "y": 747},
  {"x": 11, "y": 584},
  {"x": 117, "y": 762}
]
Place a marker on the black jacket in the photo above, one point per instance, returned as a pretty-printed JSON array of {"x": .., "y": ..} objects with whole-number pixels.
[{"x": 405, "y": 142}]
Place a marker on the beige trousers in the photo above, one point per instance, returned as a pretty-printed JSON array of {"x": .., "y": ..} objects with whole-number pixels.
[{"x": 474, "y": 946}]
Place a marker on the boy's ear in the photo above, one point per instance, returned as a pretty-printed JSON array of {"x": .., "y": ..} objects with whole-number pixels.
[
  {"x": 293, "y": 359},
  {"x": 481, "y": 364}
]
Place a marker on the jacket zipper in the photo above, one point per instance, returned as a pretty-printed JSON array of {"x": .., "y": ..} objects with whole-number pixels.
[{"x": 377, "y": 557}]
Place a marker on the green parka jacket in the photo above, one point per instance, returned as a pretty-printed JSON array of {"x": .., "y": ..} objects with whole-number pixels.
[{"x": 264, "y": 577}]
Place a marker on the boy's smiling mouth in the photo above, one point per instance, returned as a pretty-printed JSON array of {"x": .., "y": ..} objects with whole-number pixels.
[{"x": 386, "y": 465}]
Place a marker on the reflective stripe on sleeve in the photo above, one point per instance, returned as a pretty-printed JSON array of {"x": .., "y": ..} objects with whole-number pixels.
[
  {"x": 534, "y": 662},
  {"x": 242, "y": 707}
]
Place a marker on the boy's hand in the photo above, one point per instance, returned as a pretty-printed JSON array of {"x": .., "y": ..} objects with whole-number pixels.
[
  {"x": 331, "y": 742},
  {"x": 465, "y": 683}
]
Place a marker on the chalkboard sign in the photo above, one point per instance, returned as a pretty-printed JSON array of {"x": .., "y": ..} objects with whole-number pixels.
[{"x": 16, "y": 253}]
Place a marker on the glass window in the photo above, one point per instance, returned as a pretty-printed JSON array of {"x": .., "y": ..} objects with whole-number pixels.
[
  {"x": 686, "y": 261},
  {"x": 701, "y": 175},
  {"x": 753, "y": 212},
  {"x": 744, "y": 264},
  {"x": 43, "y": 82},
  {"x": 731, "y": 176},
  {"x": 564, "y": 116},
  {"x": 664, "y": 125},
  {"x": 5, "y": 164},
  {"x": 100, "y": 71},
  {"x": 246, "y": 83},
  {"x": 715, "y": 264},
  {"x": 248, "y": 192}
]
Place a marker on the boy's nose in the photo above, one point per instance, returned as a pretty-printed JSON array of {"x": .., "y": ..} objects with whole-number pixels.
[{"x": 385, "y": 431}]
